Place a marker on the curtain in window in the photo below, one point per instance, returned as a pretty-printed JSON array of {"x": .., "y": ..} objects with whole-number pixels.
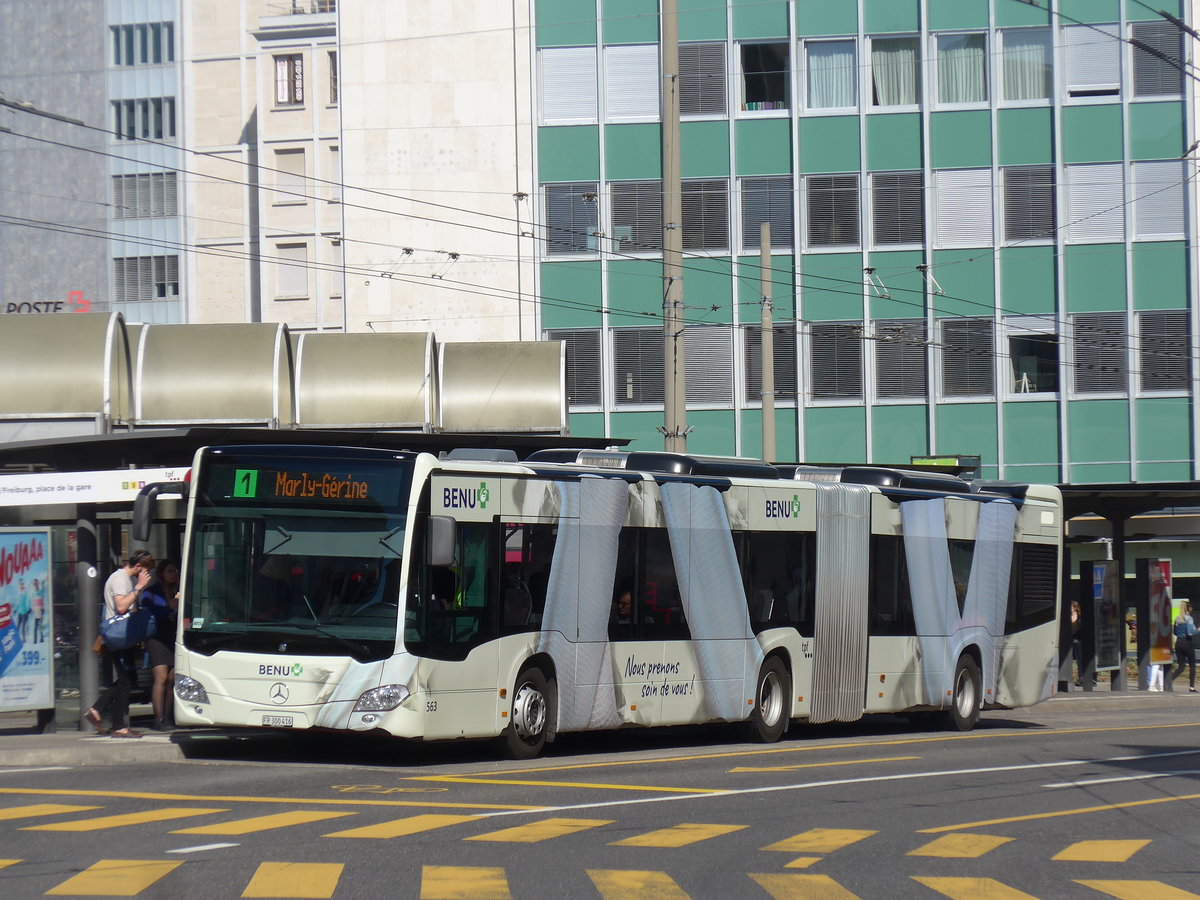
[
  {"x": 830, "y": 74},
  {"x": 962, "y": 73},
  {"x": 1026, "y": 65},
  {"x": 894, "y": 71}
]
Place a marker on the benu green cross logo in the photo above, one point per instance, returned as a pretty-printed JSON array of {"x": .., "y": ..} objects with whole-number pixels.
[
  {"x": 795, "y": 505},
  {"x": 297, "y": 670},
  {"x": 484, "y": 494}
]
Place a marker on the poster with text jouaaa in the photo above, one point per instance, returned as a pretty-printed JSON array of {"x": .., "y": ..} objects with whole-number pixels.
[{"x": 26, "y": 620}]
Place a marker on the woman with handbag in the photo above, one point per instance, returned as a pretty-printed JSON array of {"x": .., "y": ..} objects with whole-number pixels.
[
  {"x": 120, "y": 594},
  {"x": 162, "y": 599}
]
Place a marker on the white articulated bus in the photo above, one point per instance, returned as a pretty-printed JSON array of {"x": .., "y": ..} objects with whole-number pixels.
[{"x": 476, "y": 596}]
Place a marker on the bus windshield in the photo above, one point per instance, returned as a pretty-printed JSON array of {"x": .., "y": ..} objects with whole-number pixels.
[{"x": 296, "y": 552}]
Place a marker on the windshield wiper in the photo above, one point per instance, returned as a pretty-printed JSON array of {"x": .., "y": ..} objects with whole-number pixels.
[{"x": 358, "y": 648}]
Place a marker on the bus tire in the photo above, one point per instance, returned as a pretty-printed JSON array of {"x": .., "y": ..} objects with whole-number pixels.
[
  {"x": 769, "y": 719},
  {"x": 529, "y": 716},
  {"x": 964, "y": 705}
]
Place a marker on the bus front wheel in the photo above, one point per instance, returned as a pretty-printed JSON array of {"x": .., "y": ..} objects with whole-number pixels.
[
  {"x": 530, "y": 716},
  {"x": 964, "y": 710},
  {"x": 769, "y": 720}
]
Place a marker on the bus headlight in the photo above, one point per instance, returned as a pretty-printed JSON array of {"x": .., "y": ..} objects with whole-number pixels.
[
  {"x": 384, "y": 697},
  {"x": 190, "y": 690}
]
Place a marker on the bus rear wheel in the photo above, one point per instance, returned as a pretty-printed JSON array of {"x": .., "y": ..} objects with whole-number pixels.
[
  {"x": 529, "y": 719},
  {"x": 769, "y": 720},
  {"x": 964, "y": 710}
]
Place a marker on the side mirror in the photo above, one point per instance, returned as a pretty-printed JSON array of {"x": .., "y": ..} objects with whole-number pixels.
[
  {"x": 440, "y": 538},
  {"x": 143, "y": 506}
]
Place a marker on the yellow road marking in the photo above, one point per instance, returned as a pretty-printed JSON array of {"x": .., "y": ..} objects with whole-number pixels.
[
  {"x": 540, "y": 831},
  {"x": 41, "y": 809},
  {"x": 803, "y": 862},
  {"x": 803, "y": 887},
  {"x": 280, "y": 879},
  {"x": 1139, "y": 890},
  {"x": 966, "y": 826},
  {"x": 120, "y": 821},
  {"x": 294, "y": 801},
  {"x": 1100, "y": 851},
  {"x": 630, "y": 884},
  {"x": 115, "y": 878},
  {"x": 5, "y": 863},
  {"x": 840, "y": 762},
  {"x": 471, "y": 779},
  {"x": 820, "y": 840},
  {"x": 401, "y": 827},
  {"x": 960, "y": 846},
  {"x": 973, "y": 889},
  {"x": 256, "y": 824},
  {"x": 464, "y": 883},
  {"x": 678, "y": 835}
]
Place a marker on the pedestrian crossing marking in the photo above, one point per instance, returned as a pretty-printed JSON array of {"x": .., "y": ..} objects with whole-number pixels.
[
  {"x": 41, "y": 809},
  {"x": 121, "y": 820},
  {"x": 803, "y": 887},
  {"x": 540, "y": 831},
  {"x": 316, "y": 881},
  {"x": 678, "y": 836},
  {"x": 973, "y": 888},
  {"x": 263, "y": 823},
  {"x": 402, "y": 827},
  {"x": 1139, "y": 890},
  {"x": 960, "y": 846},
  {"x": 464, "y": 883},
  {"x": 114, "y": 878},
  {"x": 1100, "y": 851},
  {"x": 820, "y": 840},
  {"x": 631, "y": 884}
]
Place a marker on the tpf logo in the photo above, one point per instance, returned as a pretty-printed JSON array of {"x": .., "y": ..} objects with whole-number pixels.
[
  {"x": 783, "y": 509},
  {"x": 466, "y": 498}
]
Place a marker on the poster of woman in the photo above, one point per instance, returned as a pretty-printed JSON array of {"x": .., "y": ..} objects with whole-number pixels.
[{"x": 26, "y": 620}]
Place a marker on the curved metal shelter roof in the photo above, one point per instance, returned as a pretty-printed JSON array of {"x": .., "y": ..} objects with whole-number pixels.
[{"x": 514, "y": 386}]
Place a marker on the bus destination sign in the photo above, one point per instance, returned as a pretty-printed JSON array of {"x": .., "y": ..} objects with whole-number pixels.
[{"x": 258, "y": 484}]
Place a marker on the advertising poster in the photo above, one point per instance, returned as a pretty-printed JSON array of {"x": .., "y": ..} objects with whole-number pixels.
[
  {"x": 1107, "y": 618},
  {"x": 26, "y": 620},
  {"x": 1161, "y": 613}
]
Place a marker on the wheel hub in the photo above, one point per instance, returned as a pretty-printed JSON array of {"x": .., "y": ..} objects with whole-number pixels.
[{"x": 529, "y": 712}]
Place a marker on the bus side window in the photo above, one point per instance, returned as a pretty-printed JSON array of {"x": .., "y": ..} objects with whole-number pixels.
[
  {"x": 889, "y": 605},
  {"x": 661, "y": 607}
]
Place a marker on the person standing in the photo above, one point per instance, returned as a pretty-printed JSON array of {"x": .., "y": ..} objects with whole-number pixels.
[
  {"x": 1185, "y": 644},
  {"x": 120, "y": 594},
  {"x": 162, "y": 598}
]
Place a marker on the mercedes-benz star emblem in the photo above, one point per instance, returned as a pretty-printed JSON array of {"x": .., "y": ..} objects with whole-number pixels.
[{"x": 279, "y": 692}]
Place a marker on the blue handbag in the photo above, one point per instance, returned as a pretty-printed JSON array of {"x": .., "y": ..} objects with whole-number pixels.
[{"x": 128, "y": 629}]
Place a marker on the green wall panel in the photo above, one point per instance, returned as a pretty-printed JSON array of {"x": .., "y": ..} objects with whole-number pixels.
[
  {"x": 630, "y": 21},
  {"x": 1095, "y": 277},
  {"x": 820, "y": 17},
  {"x": 960, "y": 140},
  {"x": 565, "y": 23},
  {"x": 1091, "y": 133},
  {"x": 831, "y": 286},
  {"x": 1031, "y": 434},
  {"x": 569, "y": 153},
  {"x": 708, "y": 289},
  {"x": 635, "y": 288},
  {"x": 894, "y": 141},
  {"x": 1027, "y": 281},
  {"x": 1164, "y": 429},
  {"x": 586, "y": 424},
  {"x": 1098, "y": 431},
  {"x": 890, "y": 15},
  {"x": 760, "y": 19},
  {"x": 1160, "y": 275},
  {"x": 704, "y": 149},
  {"x": 897, "y": 269},
  {"x": 1164, "y": 472},
  {"x": 764, "y": 146},
  {"x": 1024, "y": 137},
  {"x": 571, "y": 294},
  {"x": 1015, "y": 12},
  {"x": 943, "y": 14},
  {"x": 967, "y": 428},
  {"x": 640, "y": 427},
  {"x": 785, "y": 435},
  {"x": 713, "y": 432},
  {"x": 632, "y": 151},
  {"x": 898, "y": 433},
  {"x": 1099, "y": 473},
  {"x": 968, "y": 280},
  {"x": 701, "y": 20},
  {"x": 783, "y": 287},
  {"x": 1150, "y": 10},
  {"x": 829, "y": 143},
  {"x": 835, "y": 434},
  {"x": 1088, "y": 10},
  {"x": 1034, "y": 474},
  {"x": 1156, "y": 130}
]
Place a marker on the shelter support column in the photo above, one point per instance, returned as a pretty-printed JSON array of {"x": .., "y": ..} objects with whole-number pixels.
[
  {"x": 1117, "y": 678},
  {"x": 87, "y": 600}
]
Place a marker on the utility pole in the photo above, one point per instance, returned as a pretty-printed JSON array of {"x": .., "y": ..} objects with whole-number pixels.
[
  {"x": 768, "y": 345},
  {"x": 674, "y": 427}
]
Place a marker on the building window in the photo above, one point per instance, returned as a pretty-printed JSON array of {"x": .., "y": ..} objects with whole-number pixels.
[
  {"x": 146, "y": 119},
  {"x": 149, "y": 196},
  {"x": 337, "y": 262},
  {"x": 962, "y": 68},
  {"x": 1093, "y": 60},
  {"x": 1164, "y": 351},
  {"x": 832, "y": 210},
  {"x": 637, "y": 366},
  {"x": 289, "y": 80},
  {"x": 144, "y": 278},
  {"x": 583, "y": 365},
  {"x": 333, "y": 78},
  {"x": 1029, "y": 203},
  {"x": 784, "y": 364},
  {"x": 1157, "y": 59},
  {"x": 708, "y": 364},
  {"x": 291, "y": 271},
  {"x": 571, "y": 218},
  {"x": 962, "y": 206},
  {"x": 335, "y": 174},
  {"x": 1098, "y": 358},
  {"x": 1032, "y": 355},
  {"x": 901, "y": 356},
  {"x": 1095, "y": 202},
  {"x": 898, "y": 207},
  {"x": 702, "y": 83},
  {"x": 143, "y": 44},
  {"x": 1027, "y": 58},
  {"x": 895, "y": 74},
  {"x": 836, "y": 360},
  {"x": 968, "y": 354},
  {"x": 1159, "y": 201},
  {"x": 764, "y": 76},
  {"x": 631, "y": 79},
  {"x": 290, "y": 178},
  {"x": 568, "y": 84},
  {"x": 767, "y": 200},
  {"x": 636, "y": 216},
  {"x": 831, "y": 74},
  {"x": 705, "y": 214}
]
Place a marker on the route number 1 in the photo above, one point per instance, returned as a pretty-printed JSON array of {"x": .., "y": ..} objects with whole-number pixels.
[{"x": 245, "y": 483}]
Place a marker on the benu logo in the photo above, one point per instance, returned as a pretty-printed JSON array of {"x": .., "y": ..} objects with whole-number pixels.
[
  {"x": 466, "y": 498},
  {"x": 295, "y": 670},
  {"x": 783, "y": 509}
]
